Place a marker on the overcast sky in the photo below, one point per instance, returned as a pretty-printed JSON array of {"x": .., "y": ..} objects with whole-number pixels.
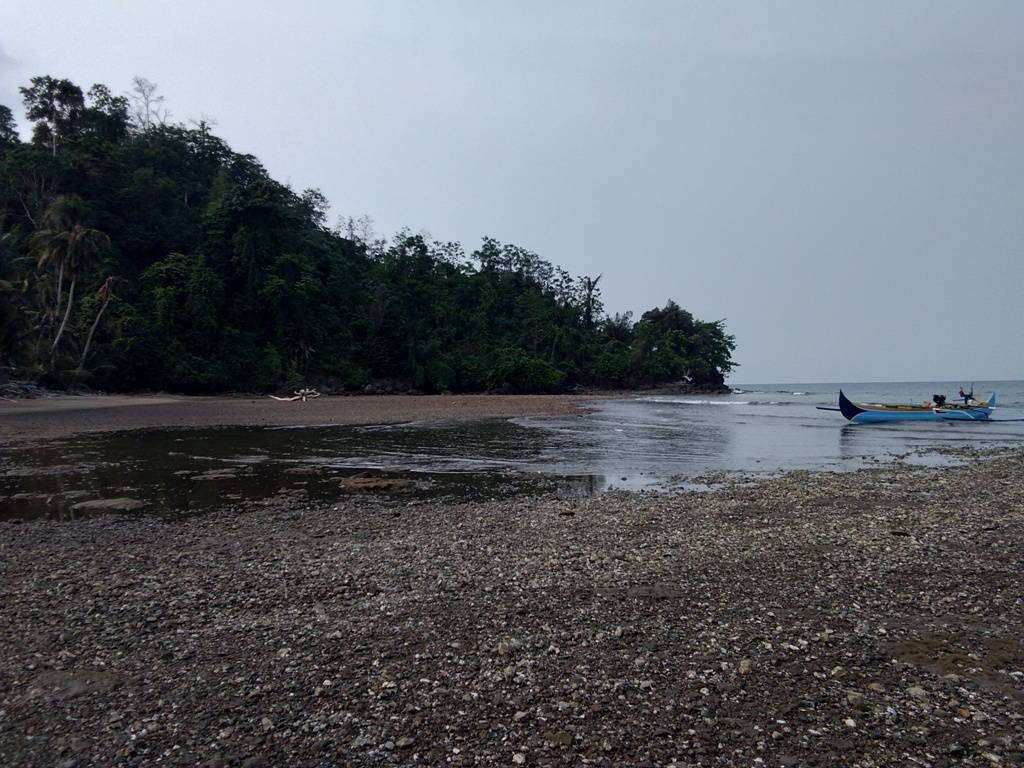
[{"x": 841, "y": 182}]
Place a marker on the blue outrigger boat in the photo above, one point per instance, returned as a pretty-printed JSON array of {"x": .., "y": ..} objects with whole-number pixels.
[{"x": 937, "y": 410}]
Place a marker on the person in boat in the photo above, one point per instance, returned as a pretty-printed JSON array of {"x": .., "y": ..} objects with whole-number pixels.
[
  {"x": 939, "y": 400},
  {"x": 967, "y": 396}
]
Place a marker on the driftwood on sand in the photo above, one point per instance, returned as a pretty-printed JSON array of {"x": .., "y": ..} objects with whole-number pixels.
[{"x": 300, "y": 394}]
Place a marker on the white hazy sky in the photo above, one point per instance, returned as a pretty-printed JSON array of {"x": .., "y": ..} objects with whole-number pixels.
[{"x": 841, "y": 182}]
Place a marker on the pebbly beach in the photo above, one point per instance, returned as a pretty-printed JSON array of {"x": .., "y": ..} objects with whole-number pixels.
[{"x": 869, "y": 618}]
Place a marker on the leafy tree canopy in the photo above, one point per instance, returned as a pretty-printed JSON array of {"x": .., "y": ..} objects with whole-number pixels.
[{"x": 136, "y": 253}]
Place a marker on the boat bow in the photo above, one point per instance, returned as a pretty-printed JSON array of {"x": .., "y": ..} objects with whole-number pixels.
[{"x": 848, "y": 408}]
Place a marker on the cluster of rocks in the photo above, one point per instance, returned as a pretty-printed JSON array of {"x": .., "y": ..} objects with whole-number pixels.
[
  {"x": 17, "y": 390},
  {"x": 863, "y": 619}
]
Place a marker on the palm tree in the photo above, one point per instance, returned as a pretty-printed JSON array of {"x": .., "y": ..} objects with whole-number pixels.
[
  {"x": 65, "y": 241},
  {"x": 103, "y": 293}
]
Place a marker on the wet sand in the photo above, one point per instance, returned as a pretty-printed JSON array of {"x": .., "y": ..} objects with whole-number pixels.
[{"x": 62, "y": 415}]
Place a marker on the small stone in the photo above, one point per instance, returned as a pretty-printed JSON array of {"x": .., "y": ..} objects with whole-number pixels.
[{"x": 108, "y": 505}]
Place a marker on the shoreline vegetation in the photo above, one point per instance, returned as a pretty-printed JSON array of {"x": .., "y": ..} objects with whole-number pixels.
[
  {"x": 143, "y": 255},
  {"x": 866, "y": 618}
]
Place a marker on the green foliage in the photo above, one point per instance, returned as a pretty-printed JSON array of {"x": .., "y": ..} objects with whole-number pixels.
[
  {"x": 512, "y": 366},
  {"x": 669, "y": 343},
  {"x": 8, "y": 130},
  {"x": 64, "y": 242},
  {"x": 161, "y": 259},
  {"x": 55, "y": 106},
  {"x": 180, "y": 326}
]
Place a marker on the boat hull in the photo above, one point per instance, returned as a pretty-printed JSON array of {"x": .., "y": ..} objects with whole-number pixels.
[{"x": 868, "y": 413}]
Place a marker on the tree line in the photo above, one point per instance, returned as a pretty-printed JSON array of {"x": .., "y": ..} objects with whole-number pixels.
[{"x": 141, "y": 254}]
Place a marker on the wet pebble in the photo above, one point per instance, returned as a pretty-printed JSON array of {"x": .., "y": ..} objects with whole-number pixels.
[{"x": 763, "y": 623}]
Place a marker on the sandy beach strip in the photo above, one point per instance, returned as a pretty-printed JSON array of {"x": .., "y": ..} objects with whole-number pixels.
[{"x": 62, "y": 415}]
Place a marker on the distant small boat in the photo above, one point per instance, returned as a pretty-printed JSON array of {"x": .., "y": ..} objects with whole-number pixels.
[{"x": 937, "y": 410}]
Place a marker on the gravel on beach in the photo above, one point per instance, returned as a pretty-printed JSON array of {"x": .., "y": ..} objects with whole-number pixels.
[{"x": 872, "y": 618}]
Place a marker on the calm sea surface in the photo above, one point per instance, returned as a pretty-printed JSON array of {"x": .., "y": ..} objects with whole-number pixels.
[{"x": 653, "y": 442}]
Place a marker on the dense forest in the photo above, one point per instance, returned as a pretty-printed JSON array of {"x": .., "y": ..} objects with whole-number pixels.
[{"x": 136, "y": 254}]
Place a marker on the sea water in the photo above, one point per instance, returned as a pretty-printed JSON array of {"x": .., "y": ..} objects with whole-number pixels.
[
  {"x": 660, "y": 442},
  {"x": 639, "y": 442}
]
